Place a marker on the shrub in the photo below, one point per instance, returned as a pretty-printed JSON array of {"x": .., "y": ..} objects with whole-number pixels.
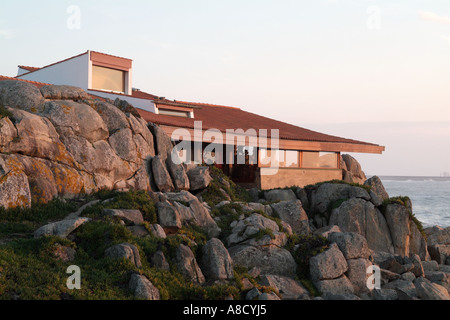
[
  {"x": 214, "y": 194},
  {"x": 311, "y": 187},
  {"x": 26, "y": 220},
  {"x": 227, "y": 214},
  {"x": 139, "y": 200},
  {"x": 5, "y": 112},
  {"x": 96, "y": 236},
  {"x": 333, "y": 205},
  {"x": 303, "y": 248}
]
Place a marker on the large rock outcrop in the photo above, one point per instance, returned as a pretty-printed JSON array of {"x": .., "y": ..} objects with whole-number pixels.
[
  {"x": 58, "y": 141},
  {"x": 351, "y": 170},
  {"x": 387, "y": 225}
]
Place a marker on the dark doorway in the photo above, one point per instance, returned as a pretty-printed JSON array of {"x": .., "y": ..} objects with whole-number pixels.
[{"x": 244, "y": 166}]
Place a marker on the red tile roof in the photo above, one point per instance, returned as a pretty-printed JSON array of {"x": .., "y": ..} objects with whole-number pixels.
[
  {"x": 205, "y": 104},
  {"x": 143, "y": 95},
  {"x": 37, "y": 84},
  {"x": 110, "y": 61},
  {"x": 221, "y": 117},
  {"x": 29, "y": 69},
  {"x": 224, "y": 117},
  {"x": 108, "y": 55},
  {"x": 33, "y": 69}
]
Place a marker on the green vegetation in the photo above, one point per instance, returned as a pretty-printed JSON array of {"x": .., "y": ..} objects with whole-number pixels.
[
  {"x": 222, "y": 188},
  {"x": 311, "y": 187},
  {"x": 26, "y": 220},
  {"x": 401, "y": 200},
  {"x": 333, "y": 205},
  {"x": 241, "y": 273},
  {"x": 5, "y": 112},
  {"x": 30, "y": 269},
  {"x": 232, "y": 212},
  {"x": 303, "y": 248},
  {"x": 261, "y": 233},
  {"x": 336, "y": 204},
  {"x": 140, "y": 200},
  {"x": 227, "y": 214}
]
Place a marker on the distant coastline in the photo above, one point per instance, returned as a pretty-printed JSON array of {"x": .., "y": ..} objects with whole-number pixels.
[
  {"x": 414, "y": 178},
  {"x": 429, "y": 194}
]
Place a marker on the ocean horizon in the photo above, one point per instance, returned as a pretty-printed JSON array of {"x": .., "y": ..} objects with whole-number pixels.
[
  {"x": 414, "y": 178},
  {"x": 430, "y": 196}
]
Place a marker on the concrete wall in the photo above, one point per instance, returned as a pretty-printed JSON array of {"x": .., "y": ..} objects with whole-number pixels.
[
  {"x": 73, "y": 72},
  {"x": 287, "y": 177}
]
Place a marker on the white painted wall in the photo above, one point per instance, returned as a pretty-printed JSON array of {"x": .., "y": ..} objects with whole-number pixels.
[
  {"x": 143, "y": 104},
  {"x": 78, "y": 72},
  {"x": 73, "y": 72},
  {"x": 129, "y": 82}
]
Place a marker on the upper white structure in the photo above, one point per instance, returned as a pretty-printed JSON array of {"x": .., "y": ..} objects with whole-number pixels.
[{"x": 97, "y": 73}]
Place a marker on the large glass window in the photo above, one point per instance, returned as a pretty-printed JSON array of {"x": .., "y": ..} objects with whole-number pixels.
[
  {"x": 279, "y": 158},
  {"x": 319, "y": 160},
  {"x": 291, "y": 159},
  {"x": 269, "y": 158},
  {"x": 108, "y": 79}
]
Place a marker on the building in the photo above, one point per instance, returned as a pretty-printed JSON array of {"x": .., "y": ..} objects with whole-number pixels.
[{"x": 248, "y": 147}]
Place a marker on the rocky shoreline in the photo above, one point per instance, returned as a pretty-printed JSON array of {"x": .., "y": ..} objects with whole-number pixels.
[
  {"x": 190, "y": 222},
  {"x": 338, "y": 272}
]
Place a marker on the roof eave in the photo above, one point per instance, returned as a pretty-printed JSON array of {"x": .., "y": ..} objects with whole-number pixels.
[{"x": 289, "y": 144}]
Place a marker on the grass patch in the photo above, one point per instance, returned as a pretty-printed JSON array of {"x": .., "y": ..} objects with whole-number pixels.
[
  {"x": 214, "y": 194},
  {"x": 233, "y": 212},
  {"x": 227, "y": 214},
  {"x": 5, "y": 113},
  {"x": 39, "y": 212},
  {"x": 401, "y": 200},
  {"x": 31, "y": 272},
  {"x": 241, "y": 272},
  {"x": 96, "y": 236},
  {"x": 303, "y": 248},
  {"x": 26, "y": 220},
  {"x": 311, "y": 187},
  {"x": 172, "y": 286},
  {"x": 333, "y": 205},
  {"x": 261, "y": 233},
  {"x": 139, "y": 200}
]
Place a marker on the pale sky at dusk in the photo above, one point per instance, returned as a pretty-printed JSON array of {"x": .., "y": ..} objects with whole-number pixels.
[{"x": 376, "y": 71}]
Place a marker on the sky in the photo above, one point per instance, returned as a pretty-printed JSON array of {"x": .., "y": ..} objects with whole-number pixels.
[{"x": 371, "y": 70}]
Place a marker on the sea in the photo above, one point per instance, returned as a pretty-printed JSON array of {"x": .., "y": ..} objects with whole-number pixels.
[{"x": 430, "y": 197}]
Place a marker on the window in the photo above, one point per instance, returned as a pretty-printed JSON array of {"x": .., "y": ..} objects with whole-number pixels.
[
  {"x": 279, "y": 158},
  {"x": 319, "y": 160},
  {"x": 291, "y": 159},
  {"x": 175, "y": 113},
  {"x": 269, "y": 158},
  {"x": 108, "y": 79}
]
